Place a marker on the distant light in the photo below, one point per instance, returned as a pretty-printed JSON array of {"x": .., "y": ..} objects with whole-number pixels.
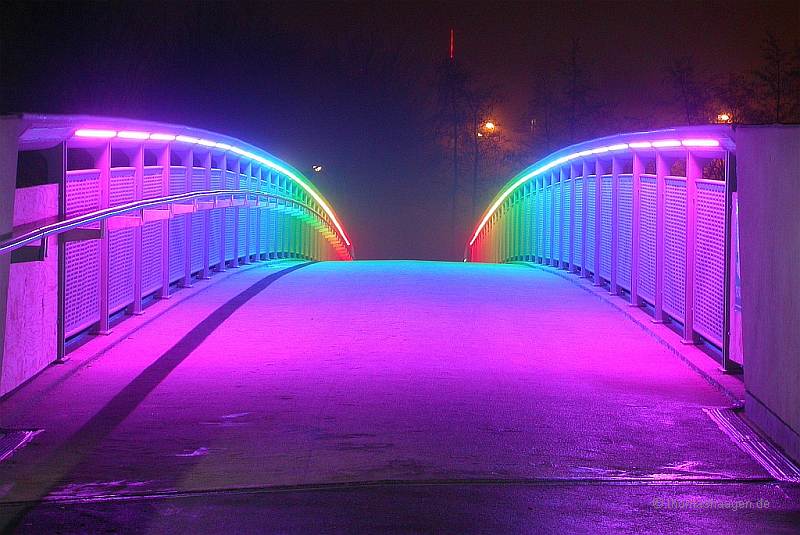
[
  {"x": 666, "y": 143},
  {"x": 130, "y": 134},
  {"x": 700, "y": 143},
  {"x": 480, "y": 134},
  {"x": 187, "y": 139},
  {"x": 89, "y": 132},
  {"x": 316, "y": 168},
  {"x": 162, "y": 137},
  {"x": 489, "y": 125},
  {"x": 724, "y": 118}
]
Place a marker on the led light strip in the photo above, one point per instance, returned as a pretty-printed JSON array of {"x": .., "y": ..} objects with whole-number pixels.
[
  {"x": 137, "y": 135},
  {"x": 659, "y": 143}
]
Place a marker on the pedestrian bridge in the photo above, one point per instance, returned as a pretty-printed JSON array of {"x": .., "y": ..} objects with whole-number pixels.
[{"x": 213, "y": 338}]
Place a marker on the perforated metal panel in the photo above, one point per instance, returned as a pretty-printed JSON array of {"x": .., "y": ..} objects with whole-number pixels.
[
  {"x": 566, "y": 193},
  {"x": 534, "y": 221},
  {"x": 82, "y": 259},
  {"x": 675, "y": 247},
  {"x": 272, "y": 230},
  {"x": 230, "y": 216},
  {"x": 647, "y": 238},
  {"x": 591, "y": 230},
  {"x": 557, "y": 221},
  {"x": 624, "y": 230},
  {"x": 606, "y": 217},
  {"x": 578, "y": 221},
  {"x": 280, "y": 229},
  {"x": 151, "y": 183},
  {"x": 120, "y": 243},
  {"x": 253, "y": 215},
  {"x": 198, "y": 222},
  {"x": 264, "y": 229},
  {"x": 709, "y": 262},
  {"x": 215, "y": 223}
]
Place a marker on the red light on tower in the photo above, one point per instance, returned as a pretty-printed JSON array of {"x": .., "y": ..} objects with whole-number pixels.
[{"x": 452, "y": 44}]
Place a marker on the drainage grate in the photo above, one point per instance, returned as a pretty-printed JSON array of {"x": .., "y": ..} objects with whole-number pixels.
[
  {"x": 11, "y": 441},
  {"x": 762, "y": 451}
]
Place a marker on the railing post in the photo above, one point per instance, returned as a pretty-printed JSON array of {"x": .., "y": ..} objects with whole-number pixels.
[
  {"x": 616, "y": 169},
  {"x": 551, "y": 216},
  {"x": 662, "y": 169},
  {"x": 566, "y": 222},
  {"x": 138, "y": 191},
  {"x": 206, "y": 273},
  {"x": 236, "y": 173},
  {"x": 694, "y": 172},
  {"x": 258, "y": 210},
  {"x": 637, "y": 170},
  {"x": 574, "y": 244},
  {"x": 223, "y": 164},
  {"x": 599, "y": 171},
  {"x": 104, "y": 165},
  {"x": 164, "y": 160},
  {"x": 188, "y": 164}
]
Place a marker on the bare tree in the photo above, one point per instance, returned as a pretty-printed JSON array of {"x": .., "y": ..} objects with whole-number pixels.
[
  {"x": 688, "y": 91},
  {"x": 774, "y": 75}
]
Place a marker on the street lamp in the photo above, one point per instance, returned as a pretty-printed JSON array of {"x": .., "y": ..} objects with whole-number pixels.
[
  {"x": 486, "y": 128},
  {"x": 316, "y": 168},
  {"x": 724, "y": 118}
]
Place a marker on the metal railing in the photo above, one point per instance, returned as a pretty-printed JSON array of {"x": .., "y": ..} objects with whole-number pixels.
[
  {"x": 647, "y": 214},
  {"x": 137, "y": 209}
]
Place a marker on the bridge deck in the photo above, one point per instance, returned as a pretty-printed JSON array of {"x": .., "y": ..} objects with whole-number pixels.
[{"x": 373, "y": 371}]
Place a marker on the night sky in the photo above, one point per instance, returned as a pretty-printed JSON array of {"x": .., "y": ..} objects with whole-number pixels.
[{"x": 352, "y": 86}]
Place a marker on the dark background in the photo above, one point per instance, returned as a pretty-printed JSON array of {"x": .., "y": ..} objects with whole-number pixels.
[{"x": 354, "y": 86}]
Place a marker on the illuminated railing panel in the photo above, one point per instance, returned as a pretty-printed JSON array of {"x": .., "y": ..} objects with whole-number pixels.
[{"x": 643, "y": 214}]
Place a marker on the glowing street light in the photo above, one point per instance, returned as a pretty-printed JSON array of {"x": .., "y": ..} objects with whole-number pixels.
[
  {"x": 490, "y": 126},
  {"x": 724, "y": 118},
  {"x": 316, "y": 168}
]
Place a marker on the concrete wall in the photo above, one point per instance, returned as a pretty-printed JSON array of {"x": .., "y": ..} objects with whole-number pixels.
[
  {"x": 768, "y": 172},
  {"x": 30, "y": 342}
]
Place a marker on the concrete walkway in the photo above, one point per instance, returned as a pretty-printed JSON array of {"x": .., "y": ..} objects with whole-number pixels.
[{"x": 415, "y": 396}]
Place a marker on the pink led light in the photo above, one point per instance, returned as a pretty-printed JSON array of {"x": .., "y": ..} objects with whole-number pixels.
[
  {"x": 618, "y": 146},
  {"x": 128, "y": 134},
  {"x": 700, "y": 143},
  {"x": 89, "y": 132},
  {"x": 162, "y": 137},
  {"x": 666, "y": 143},
  {"x": 187, "y": 139},
  {"x": 640, "y": 145}
]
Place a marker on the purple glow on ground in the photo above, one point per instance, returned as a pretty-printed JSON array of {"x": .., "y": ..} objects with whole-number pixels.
[{"x": 384, "y": 370}]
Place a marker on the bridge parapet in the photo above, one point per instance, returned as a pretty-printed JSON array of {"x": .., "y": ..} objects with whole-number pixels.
[
  {"x": 108, "y": 213},
  {"x": 649, "y": 215}
]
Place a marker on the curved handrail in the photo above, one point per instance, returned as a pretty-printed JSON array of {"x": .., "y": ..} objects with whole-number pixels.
[
  {"x": 62, "y": 226},
  {"x": 43, "y": 131},
  {"x": 696, "y": 137}
]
